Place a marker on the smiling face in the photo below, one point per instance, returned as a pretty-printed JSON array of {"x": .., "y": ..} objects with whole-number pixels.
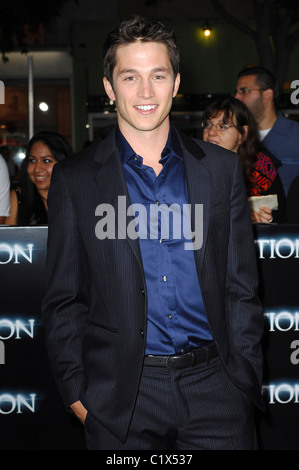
[
  {"x": 143, "y": 87},
  {"x": 40, "y": 166},
  {"x": 229, "y": 138}
]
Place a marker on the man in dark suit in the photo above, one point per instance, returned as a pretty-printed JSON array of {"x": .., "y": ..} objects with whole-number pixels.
[{"x": 153, "y": 345}]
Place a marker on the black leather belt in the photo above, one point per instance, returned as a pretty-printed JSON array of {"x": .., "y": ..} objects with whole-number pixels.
[{"x": 190, "y": 359}]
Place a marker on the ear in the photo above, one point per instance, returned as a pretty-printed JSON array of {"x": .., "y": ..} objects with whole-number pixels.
[
  {"x": 268, "y": 95},
  {"x": 176, "y": 85},
  {"x": 245, "y": 135},
  {"x": 108, "y": 89}
]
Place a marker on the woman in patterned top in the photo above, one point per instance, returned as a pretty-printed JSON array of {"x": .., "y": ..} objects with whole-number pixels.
[{"x": 229, "y": 123}]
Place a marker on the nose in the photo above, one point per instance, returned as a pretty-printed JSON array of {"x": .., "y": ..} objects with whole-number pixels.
[
  {"x": 39, "y": 166},
  {"x": 145, "y": 89},
  {"x": 212, "y": 130},
  {"x": 238, "y": 95}
]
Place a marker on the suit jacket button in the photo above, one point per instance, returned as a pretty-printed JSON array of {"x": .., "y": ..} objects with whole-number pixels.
[
  {"x": 142, "y": 291},
  {"x": 141, "y": 332}
]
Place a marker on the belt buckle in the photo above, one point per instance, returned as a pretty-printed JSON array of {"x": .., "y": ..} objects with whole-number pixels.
[{"x": 181, "y": 359}]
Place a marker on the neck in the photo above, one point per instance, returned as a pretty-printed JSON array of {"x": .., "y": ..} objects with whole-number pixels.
[
  {"x": 148, "y": 144},
  {"x": 267, "y": 120}
]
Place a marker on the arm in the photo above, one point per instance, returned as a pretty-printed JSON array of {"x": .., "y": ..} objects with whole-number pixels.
[
  {"x": 4, "y": 190},
  {"x": 66, "y": 301},
  {"x": 12, "y": 218},
  {"x": 243, "y": 307}
]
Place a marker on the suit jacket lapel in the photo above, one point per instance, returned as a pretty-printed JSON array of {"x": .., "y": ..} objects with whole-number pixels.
[
  {"x": 113, "y": 189},
  {"x": 199, "y": 189}
]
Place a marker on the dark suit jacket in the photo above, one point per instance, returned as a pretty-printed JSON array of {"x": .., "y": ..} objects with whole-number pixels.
[{"x": 95, "y": 307}]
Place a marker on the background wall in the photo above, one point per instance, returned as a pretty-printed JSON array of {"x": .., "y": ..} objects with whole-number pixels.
[{"x": 208, "y": 65}]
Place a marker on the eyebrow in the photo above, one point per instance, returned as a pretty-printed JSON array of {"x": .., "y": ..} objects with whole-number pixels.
[
  {"x": 41, "y": 156},
  {"x": 155, "y": 70},
  {"x": 210, "y": 118}
]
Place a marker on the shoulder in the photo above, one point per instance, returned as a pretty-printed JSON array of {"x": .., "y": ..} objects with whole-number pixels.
[
  {"x": 2, "y": 162},
  {"x": 4, "y": 175},
  {"x": 211, "y": 164},
  {"x": 267, "y": 157},
  {"x": 285, "y": 124},
  {"x": 15, "y": 194},
  {"x": 86, "y": 160},
  {"x": 283, "y": 119},
  {"x": 221, "y": 164},
  {"x": 76, "y": 161},
  {"x": 207, "y": 152},
  {"x": 266, "y": 163}
]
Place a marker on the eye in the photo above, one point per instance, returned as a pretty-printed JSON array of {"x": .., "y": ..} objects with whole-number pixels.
[{"x": 223, "y": 127}]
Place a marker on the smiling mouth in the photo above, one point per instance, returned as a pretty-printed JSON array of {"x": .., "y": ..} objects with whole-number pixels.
[
  {"x": 40, "y": 179},
  {"x": 146, "y": 107}
]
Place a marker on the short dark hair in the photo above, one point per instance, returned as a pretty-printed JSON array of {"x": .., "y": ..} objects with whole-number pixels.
[
  {"x": 265, "y": 79},
  {"x": 141, "y": 29}
]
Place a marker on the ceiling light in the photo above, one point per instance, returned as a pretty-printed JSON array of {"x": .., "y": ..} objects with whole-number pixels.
[{"x": 43, "y": 106}]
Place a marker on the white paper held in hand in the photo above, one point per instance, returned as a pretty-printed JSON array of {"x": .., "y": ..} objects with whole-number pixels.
[{"x": 270, "y": 201}]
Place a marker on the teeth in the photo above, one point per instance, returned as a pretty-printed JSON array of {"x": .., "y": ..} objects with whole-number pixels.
[{"x": 146, "y": 107}]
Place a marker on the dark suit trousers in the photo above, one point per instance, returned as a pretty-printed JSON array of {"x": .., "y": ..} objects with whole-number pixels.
[{"x": 194, "y": 408}]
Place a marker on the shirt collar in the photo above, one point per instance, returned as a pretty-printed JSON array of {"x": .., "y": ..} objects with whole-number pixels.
[{"x": 172, "y": 147}]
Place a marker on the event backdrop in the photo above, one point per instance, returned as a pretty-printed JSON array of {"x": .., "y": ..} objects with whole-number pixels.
[
  {"x": 32, "y": 416},
  {"x": 278, "y": 261},
  {"x": 31, "y": 413}
]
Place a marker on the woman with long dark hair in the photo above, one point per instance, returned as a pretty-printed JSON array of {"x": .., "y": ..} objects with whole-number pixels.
[
  {"x": 28, "y": 201},
  {"x": 230, "y": 124}
]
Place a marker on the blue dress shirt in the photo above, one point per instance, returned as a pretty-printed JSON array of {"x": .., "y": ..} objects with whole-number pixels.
[{"x": 176, "y": 320}]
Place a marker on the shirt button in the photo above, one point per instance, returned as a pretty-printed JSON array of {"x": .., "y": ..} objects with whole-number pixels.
[
  {"x": 169, "y": 316},
  {"x": 164, "y": 278}
]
